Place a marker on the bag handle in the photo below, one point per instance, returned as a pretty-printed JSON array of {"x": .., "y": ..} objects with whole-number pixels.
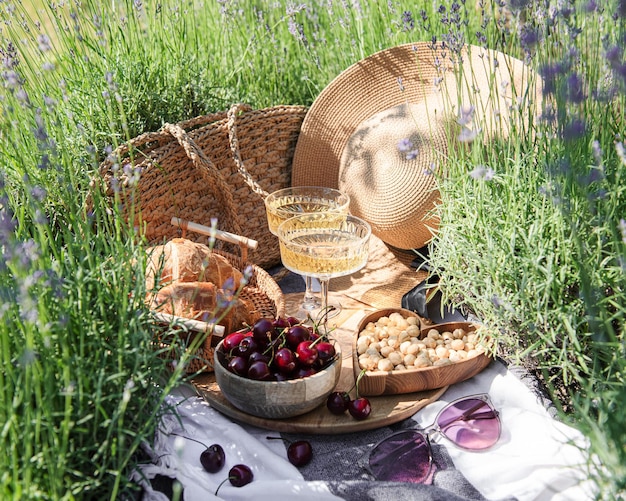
[
  {"x": 156, "y": 139},
  {"x": 233, "y": 112},
  {"x": 198, "y": 158},
  {"x": 208, "y": 171}
]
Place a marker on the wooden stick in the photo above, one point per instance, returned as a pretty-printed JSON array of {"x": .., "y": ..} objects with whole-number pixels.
[
  {"x": 222, "y": 235},
  {"x": 197, "y": 325}
]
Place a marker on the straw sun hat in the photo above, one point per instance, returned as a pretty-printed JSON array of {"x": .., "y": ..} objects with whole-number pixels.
[{"x": 381, "y": 129}]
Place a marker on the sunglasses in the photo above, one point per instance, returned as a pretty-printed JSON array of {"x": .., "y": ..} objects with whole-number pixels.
[{"x": 470, "y": 423}]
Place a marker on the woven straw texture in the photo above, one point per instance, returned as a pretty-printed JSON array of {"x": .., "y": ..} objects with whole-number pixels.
[
  {"x": 262, "y": 291},
  {"x": 214, "y": 166},
  {"x": 350, "y": 136}
]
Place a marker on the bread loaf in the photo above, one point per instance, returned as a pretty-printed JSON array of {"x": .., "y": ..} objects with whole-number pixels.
[
  {"x": 181, "y": 260},
  {"x": 205, "y": 302}
]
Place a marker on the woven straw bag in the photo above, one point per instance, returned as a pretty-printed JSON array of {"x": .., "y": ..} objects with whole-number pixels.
[{"x": 220, "y": 166}]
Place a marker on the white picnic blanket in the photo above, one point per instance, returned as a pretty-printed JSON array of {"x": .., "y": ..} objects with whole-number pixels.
[{"x": 537, "y": 458}]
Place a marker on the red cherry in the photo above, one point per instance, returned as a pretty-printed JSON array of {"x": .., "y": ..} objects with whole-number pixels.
[
  {"x": 238, "y": 365},
  {"x": 296, "y": 334},
  {"x": 240, "y": 475},
  {"x": 304, "y": 372},
  {"x": 263, "y": 329},
  {"x": 256, "y": 356},
  {"x": 307, "y": 354},
  {"x": 281, "y": 323},
  {"x": 259, "y": 371},
  {"x": 213, "y": 458},
  {"x": 285, "y": 360},
  {"x": 247, "y": 346},
  {"x": 325, "y": 351},
  {"x": 299, "y": 453},
  {"x": 293, "y": 321},
  {"x": 337, "y": 402},
  {"x": 231, "y": 341},
  {"x": 360, "y": 408}
]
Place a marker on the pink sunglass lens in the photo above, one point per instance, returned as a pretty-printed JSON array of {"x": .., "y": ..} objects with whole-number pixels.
[
  {"x": 471, "y": 424},
  {"x": 403, "y": 457}
]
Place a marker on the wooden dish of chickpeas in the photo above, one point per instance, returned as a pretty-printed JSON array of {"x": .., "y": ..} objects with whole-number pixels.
[{"x": 401, "y": 353}]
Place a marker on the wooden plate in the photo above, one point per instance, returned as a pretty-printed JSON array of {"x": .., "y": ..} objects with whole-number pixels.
[
  {"x": 375, "y": 383},
  {"x": 386, "y": 410}
]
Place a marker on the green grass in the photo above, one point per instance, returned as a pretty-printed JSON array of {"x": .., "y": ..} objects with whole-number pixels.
[{"x": 538, "y": 251}]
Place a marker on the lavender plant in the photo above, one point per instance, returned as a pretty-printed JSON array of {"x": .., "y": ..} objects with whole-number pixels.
[{"x": 532, "y": 236}]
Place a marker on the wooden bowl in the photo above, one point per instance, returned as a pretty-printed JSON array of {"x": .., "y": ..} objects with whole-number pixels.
[
  {"x": 276, "y": 399},
  {"x": 374, "y": 383}
]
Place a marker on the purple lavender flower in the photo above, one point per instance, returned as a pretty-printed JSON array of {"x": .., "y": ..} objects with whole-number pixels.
[
  {"x": 467, "y": 135},
  {"x": 529, "y": 37},
  {"x": 597, "y": 151},
  {"x": 405, "y": 144},
  {"x": 482, "y": 173},
  {"x": 400, "y": 84},
  {"x": 7, "y": 221},
  {"x": 575, "y": 129},
  {"x": 466, "y": 115},
  {"x": 621, "y": 152},
  {"x": 408, "y": 24},
  {"x": 22, "y": 96},
  {"x": 38, "y": 193},
  {"x": 575, "y": 90},
  {"x": 411, "y": 155},
  {"x": 9, "y": 56},
  {"x": 44, "y": 43},
  {"x": 11, "y": 79}
]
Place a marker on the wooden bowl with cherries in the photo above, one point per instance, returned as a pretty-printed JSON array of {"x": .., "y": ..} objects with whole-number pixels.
[
  {"x": 395, "y": 351},
  {"x": 276, "y": 370}
]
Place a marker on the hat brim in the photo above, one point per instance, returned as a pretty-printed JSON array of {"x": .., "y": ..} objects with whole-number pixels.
[{"x": 406, "y": 73}]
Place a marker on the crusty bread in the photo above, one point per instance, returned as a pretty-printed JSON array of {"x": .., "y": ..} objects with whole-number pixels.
[
  {"x": 205, "y": 302},
  {"x": 181, "y": 260}
]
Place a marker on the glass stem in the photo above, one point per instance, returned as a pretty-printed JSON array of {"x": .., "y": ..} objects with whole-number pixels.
[
  {"x": 310, "y": 301},
  {"x": 324, "y": 293}
]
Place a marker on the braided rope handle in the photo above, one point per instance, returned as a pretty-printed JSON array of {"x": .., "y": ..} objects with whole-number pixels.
[
  {"x": 208, "y": 170},
  {"x": 199, "y": 159},
  {"x": 157, "y": 137},
  {"x": 233, "y": 112}
]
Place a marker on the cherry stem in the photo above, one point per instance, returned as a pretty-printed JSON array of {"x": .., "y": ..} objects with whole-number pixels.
[
  {"x": 189, "y": 438},
  {"x": 278, "y": 438},
  {"x": 221, "y": 483},
  {"x": 358, "y": 379}
]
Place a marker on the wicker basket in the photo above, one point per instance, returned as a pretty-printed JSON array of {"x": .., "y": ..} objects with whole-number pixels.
[
  {"x": 261, "y": 290},
  {"x": 220, "y": 166}
]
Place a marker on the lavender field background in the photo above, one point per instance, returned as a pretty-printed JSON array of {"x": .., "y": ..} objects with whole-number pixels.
[{"x": 532, "y": 236}]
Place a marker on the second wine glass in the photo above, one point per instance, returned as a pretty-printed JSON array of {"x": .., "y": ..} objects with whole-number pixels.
[
  {"x": 324, "y": 245},
  {"x": 288, "y": 202}
]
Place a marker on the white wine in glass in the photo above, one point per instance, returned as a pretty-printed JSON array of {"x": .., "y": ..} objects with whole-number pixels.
[
  {"x": 288, "y": 202},
  {"x": 324, "y": 245}
]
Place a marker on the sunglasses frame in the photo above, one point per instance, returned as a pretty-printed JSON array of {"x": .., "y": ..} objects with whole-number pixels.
[{"x": 436, "y": 429}]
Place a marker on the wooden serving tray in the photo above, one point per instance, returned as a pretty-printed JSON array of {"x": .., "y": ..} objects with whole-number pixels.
[{"x": 386, "y": 410}]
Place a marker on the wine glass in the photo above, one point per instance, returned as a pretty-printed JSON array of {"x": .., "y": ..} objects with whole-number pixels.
[
  {"x": 288, "y": 202},
  {"x": 324, "y": 245}
]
